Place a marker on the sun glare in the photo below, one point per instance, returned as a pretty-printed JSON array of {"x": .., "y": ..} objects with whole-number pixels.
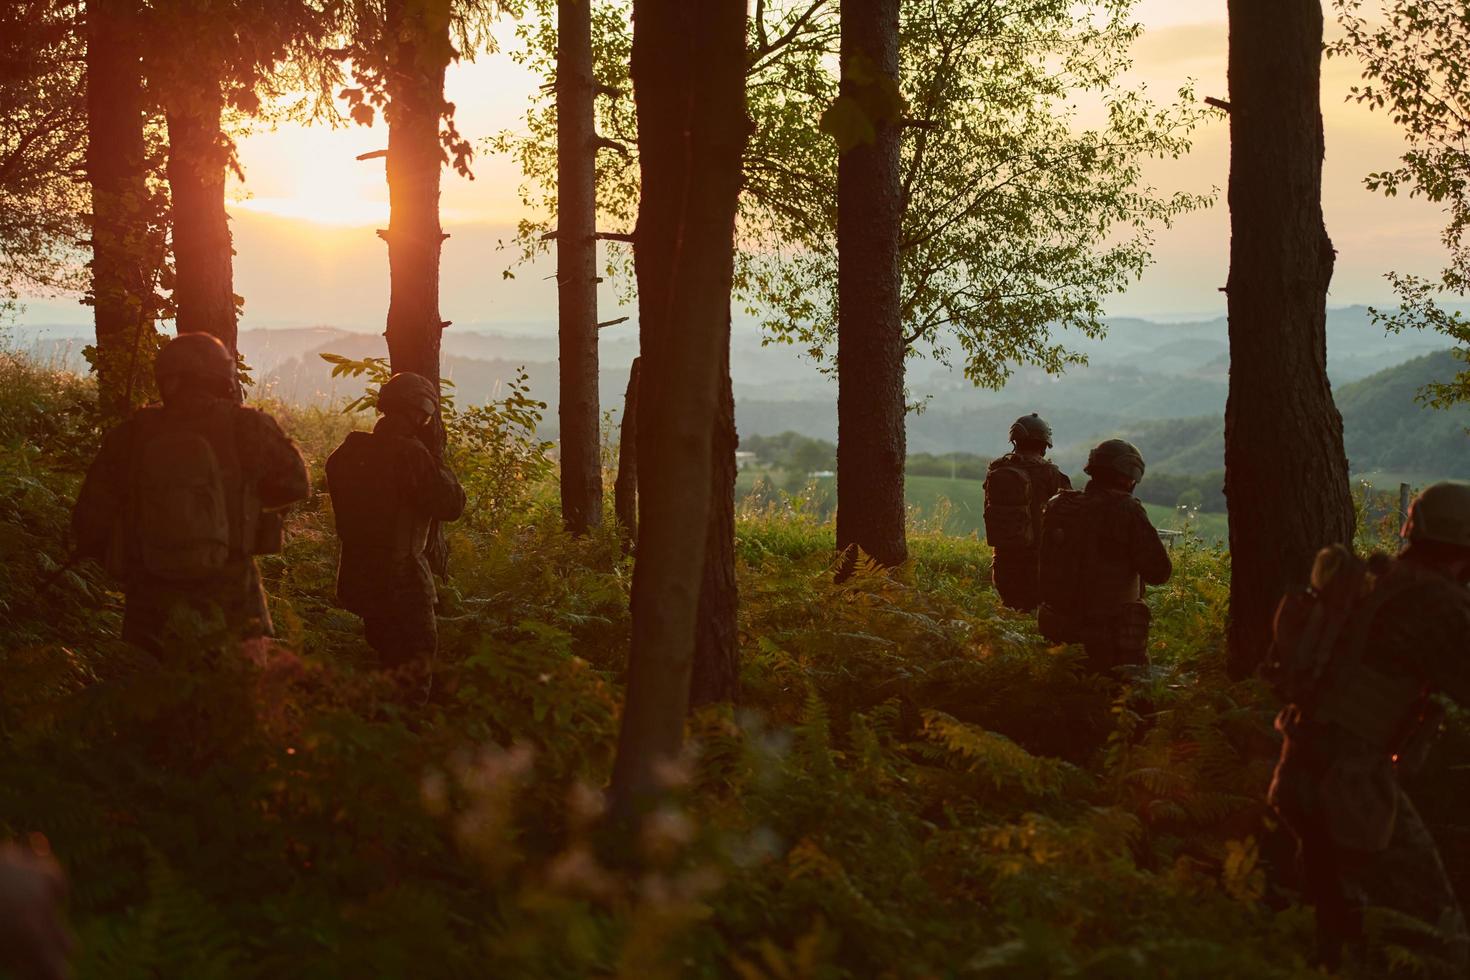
[{"x": 312, "y": 175}]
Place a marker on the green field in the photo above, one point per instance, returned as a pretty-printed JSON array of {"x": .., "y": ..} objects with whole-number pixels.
[{"x": 956, "y": 506}]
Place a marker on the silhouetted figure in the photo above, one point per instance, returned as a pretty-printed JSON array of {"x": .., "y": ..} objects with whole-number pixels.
[
  {"x": 182, "y": 495},
  {"x": 1017, "y": 488},
  {"x": 1360, "y": 658},
  {"x": 386, "y": 489},
  {"x": 1098, "y": 550}
]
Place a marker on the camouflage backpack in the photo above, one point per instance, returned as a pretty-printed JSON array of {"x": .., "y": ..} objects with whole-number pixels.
[
  {"x": 1009, "y": 508},
  {"x": 179, "y": 509},
  {"x": 1068, "y": 546},
  {"x": 1319, "y": 641},
  {"x": 363, "y": 480}
]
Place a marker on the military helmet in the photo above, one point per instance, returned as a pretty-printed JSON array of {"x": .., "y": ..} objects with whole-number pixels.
[
  {"x": 1440, "y": 513},
  {"x": 1117, "y": 456},
  {"x": 406, "y": 391},
  {"x": 196, "y": 356},
  {"x": 1030, "y": 428}
]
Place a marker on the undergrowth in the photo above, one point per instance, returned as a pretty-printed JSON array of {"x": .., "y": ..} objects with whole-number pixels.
[{"x": 912, "y": 785}]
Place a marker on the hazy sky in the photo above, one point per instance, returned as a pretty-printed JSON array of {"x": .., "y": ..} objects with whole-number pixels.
[{"x": 307, "y": 254}]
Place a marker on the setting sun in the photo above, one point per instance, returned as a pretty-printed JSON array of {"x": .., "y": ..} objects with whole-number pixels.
[{"x": 312, "y": 174}]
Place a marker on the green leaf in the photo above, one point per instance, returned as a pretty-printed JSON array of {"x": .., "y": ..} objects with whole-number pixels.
[{"x": 847, "y": 123}]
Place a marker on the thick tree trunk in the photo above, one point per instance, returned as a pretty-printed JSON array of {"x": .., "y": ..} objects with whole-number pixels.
[
  {"x": 117, "y": 171},
  {"x": 1286, "y": 474},
  {"x": 689, "y": 86},
  {"x": 716, "y": 673},
  {"x": 625, "y": 490},
  {"x": 870, "y": 392},
  {"x": 414, "y": 235},
  {"x": 576, "y": 268},
  {"x": 198, "y": 156}
]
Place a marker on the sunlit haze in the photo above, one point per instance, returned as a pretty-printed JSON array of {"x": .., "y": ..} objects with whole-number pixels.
[{"x": 304, "y": 219}]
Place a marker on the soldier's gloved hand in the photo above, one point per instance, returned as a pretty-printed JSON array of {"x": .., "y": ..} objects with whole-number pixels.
[{"x": 34, "y": 942}]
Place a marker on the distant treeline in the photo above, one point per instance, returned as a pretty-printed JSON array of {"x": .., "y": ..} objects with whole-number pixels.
[{"x": 799, "y": 456}]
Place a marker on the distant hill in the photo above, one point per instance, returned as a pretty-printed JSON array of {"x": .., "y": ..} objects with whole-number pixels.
[
  {"x": 1385, "y": 429},
  {"x": 1161, "y": 384}
]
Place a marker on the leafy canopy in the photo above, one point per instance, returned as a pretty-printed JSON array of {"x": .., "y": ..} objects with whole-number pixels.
[
  {"x": 1019, "y": 216},
  {"x": 43, "y": 114},
  {"x": 1413, "y": 60}
]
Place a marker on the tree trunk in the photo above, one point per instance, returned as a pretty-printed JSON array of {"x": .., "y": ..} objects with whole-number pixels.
[
  {"x": 414, "y": 235},
  {"x": 870, "y": 393},
  {"x": 625, "y": 490},
  {"x": 716, "y": 673},
  {"x": 576, "y": 268},
  {"x": 198, "y": 156},
  {"x": 689, "y": 86},
  {"x": 1286, "y": 474},
  {"x": 117, "y": 171}
]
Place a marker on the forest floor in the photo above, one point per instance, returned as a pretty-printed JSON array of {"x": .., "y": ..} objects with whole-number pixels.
[{"x": 912, "y": 785}]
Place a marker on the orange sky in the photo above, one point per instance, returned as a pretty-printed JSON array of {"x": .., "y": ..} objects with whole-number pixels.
[{"x": 304, "y": 221}]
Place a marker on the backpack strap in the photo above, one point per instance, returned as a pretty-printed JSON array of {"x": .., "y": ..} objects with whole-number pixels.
[{"x": 243, "y": 487}]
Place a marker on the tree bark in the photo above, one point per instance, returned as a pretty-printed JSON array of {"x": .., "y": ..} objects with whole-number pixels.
[
  {"x": 415, "y": 237},
  {"x": 117, "y": 171},
  {"x": 576, "y": 268},
  {"x": 716, "y": 671},
  {"x": 689, "y": 86},
  {"x": 870, "y": 382},
  {"x": 198, "y": 156},
  {"x": 1286, "y": 473},
  {"x": 625, "y": 490}
]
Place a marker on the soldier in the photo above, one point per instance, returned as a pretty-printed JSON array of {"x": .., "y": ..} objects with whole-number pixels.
[
  {"x": 386, "y": 489},
  {"x": 1360, "y": 658},
  {"x": 182, "y": 496},
  {"x": 1017, "y": 487},
  {"x": 1098, "y": 550}
]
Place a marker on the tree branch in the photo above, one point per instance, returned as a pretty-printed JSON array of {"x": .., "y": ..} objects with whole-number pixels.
[
  {"x": 603, "y": 143},
  {"x": 768, "y": 48}
]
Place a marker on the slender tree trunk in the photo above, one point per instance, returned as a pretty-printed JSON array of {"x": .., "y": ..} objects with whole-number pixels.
[
  {"x": 576, "y": 267},
  {"x": 1286, "y": 474},
  {"x": 117, "y": 172},
  {"x": 198, "y": 156},
  {"x": 625, "y": 490},
  {"x": 414, "y": 235},
  {"x": 689, "y": 86},
  {"x": 716, "y": 673},
  {"x": 870, "y": 392}
]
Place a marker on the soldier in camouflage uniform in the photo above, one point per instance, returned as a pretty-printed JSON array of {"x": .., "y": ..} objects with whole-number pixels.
[
  {"x": 386, "y": 489},
  {"x": 1370, "y": 714},
  {"x": 1017, "y": 487},
  {"x": 1098, "y": 551},
  {"x": 182, "y": 495}
]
